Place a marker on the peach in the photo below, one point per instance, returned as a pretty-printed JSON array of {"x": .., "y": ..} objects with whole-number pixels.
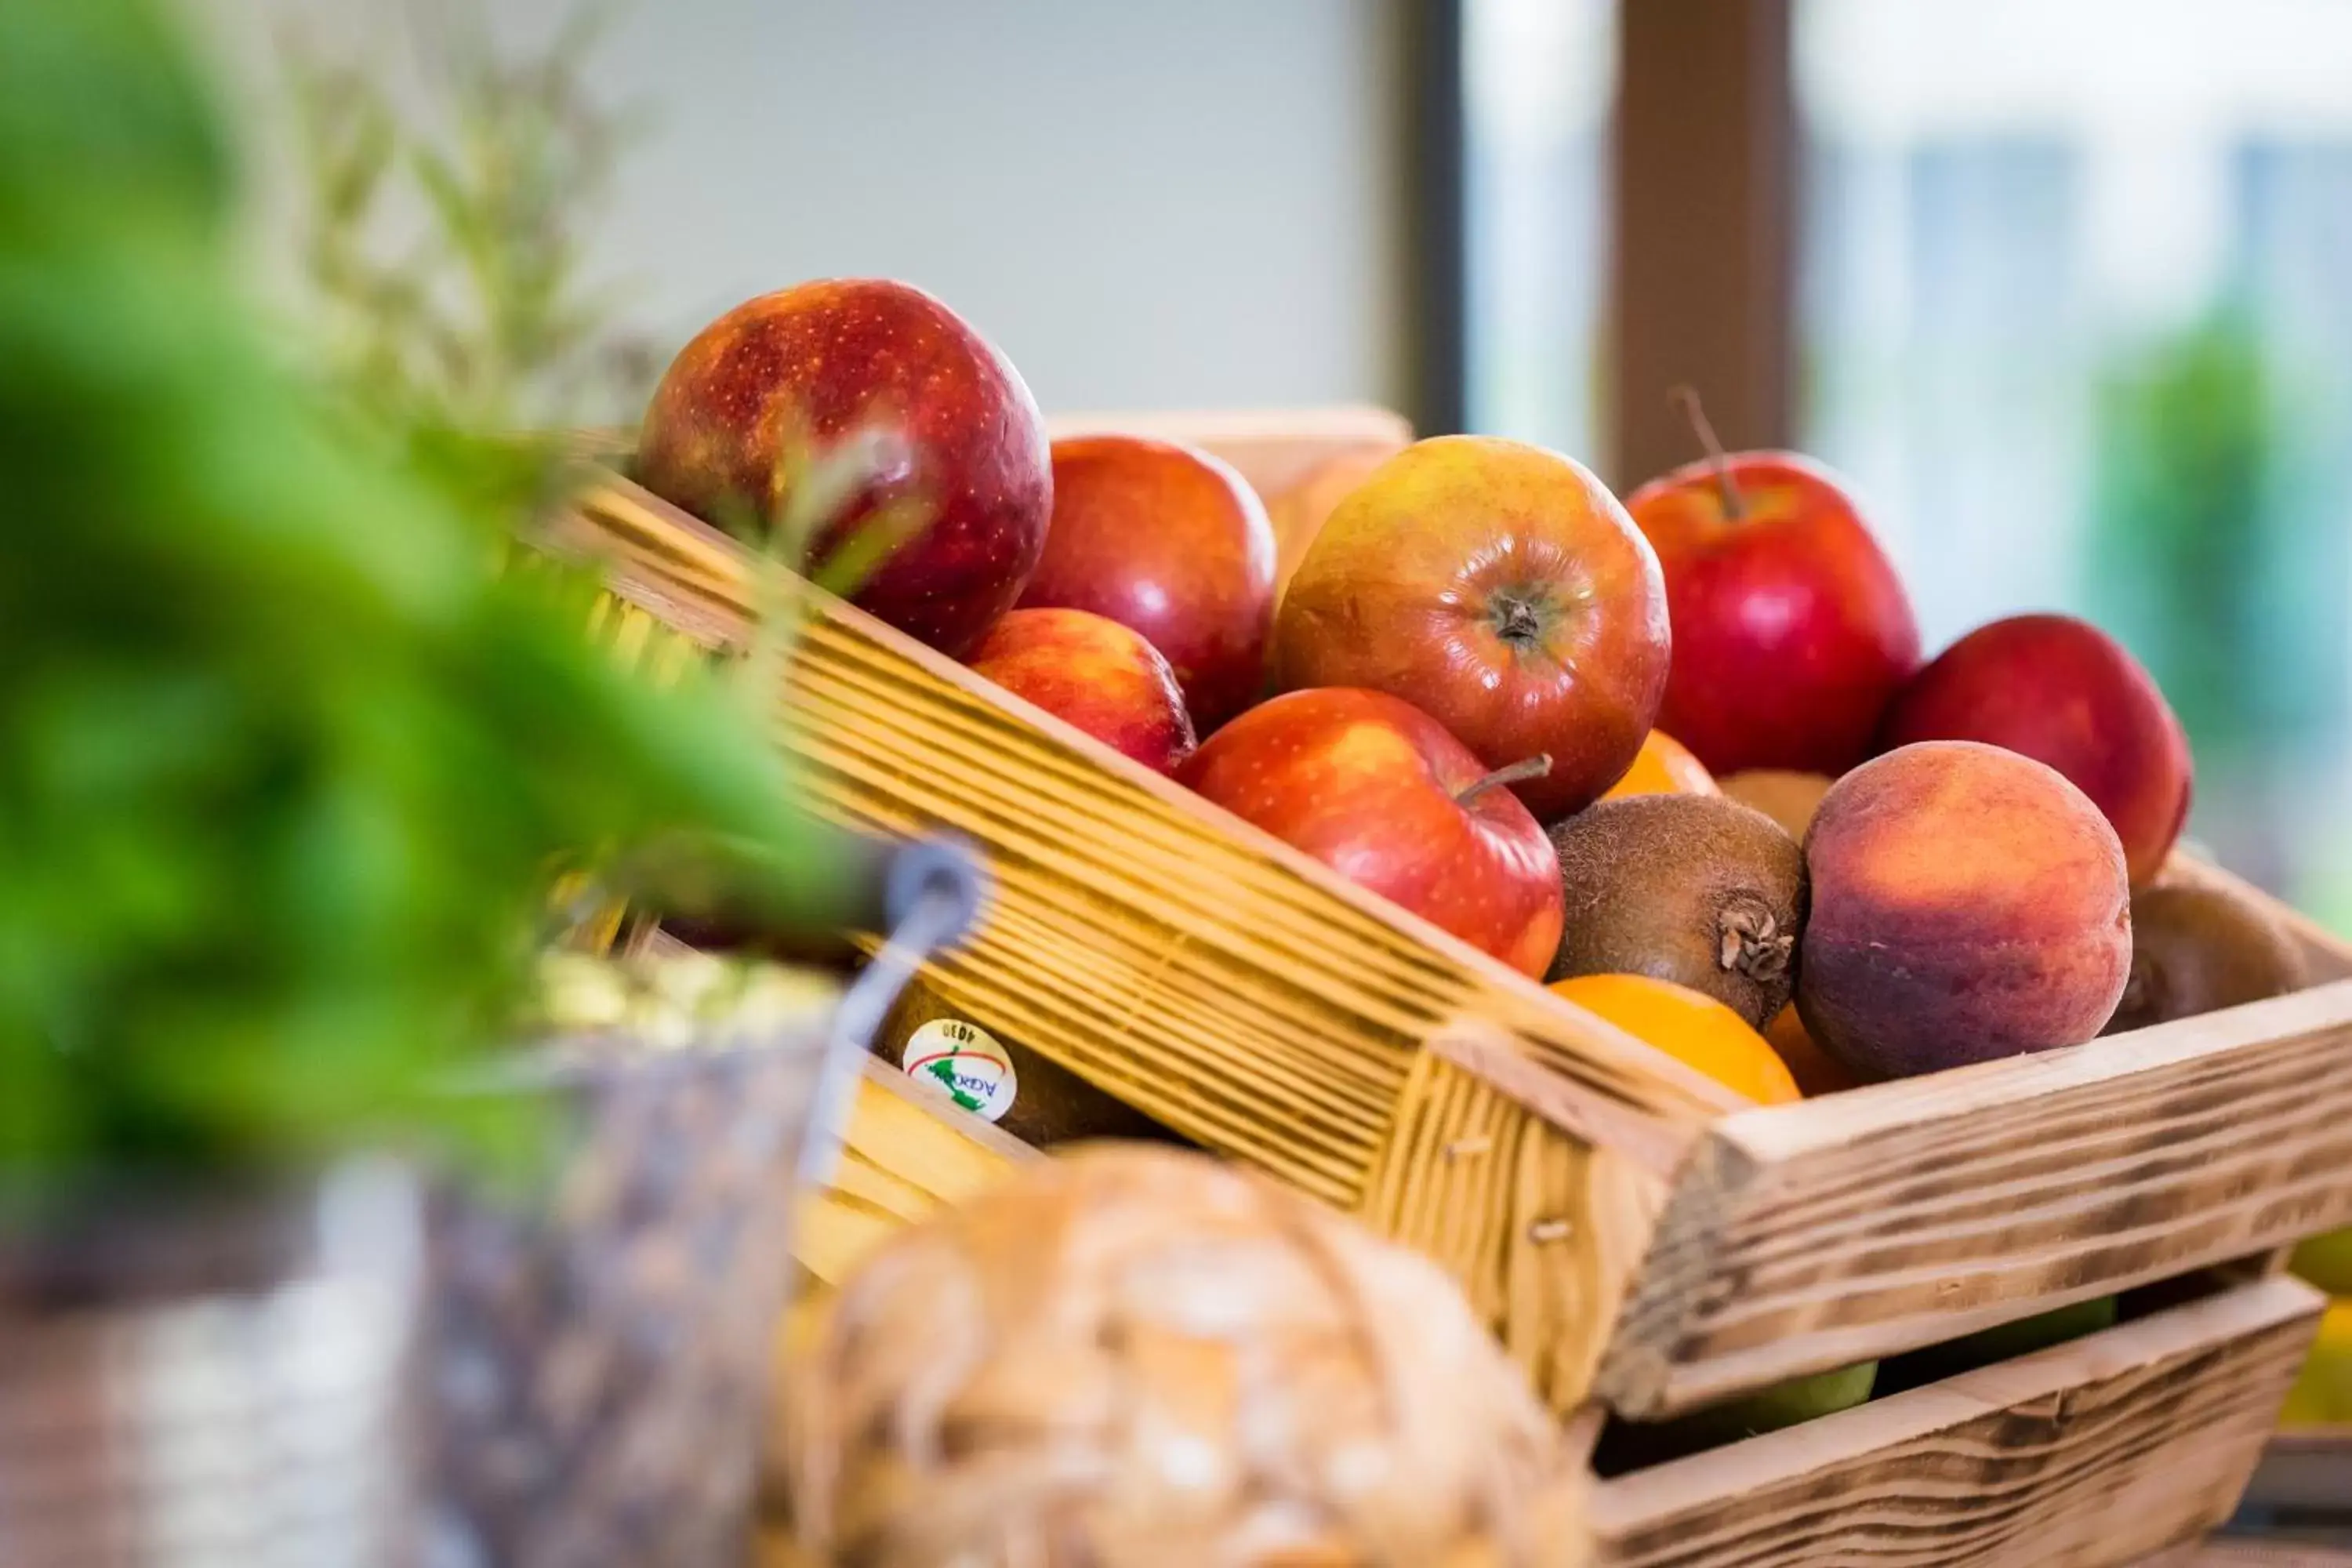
[
  {"x": 1968, "y": 904},
  {"x": 2063, "y": 692},
  {"x": 1664, "y": 766}
]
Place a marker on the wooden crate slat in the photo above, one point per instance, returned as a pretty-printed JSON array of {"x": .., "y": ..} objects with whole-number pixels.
[
  {"x": 905, "y": 1152},
  {"x": 1123, "y": 859},
  {"x": 1809, "y": 1236},
  {"x": 1542, "y": 1230},
  {"x": 2089, "y": 1175},
  {"x": 2094, "y": 1453}
]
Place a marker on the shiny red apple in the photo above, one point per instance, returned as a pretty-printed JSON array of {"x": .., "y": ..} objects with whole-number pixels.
[
  {"x": 821, "y": 362},
  {"x": 1094, "y": 673},
  {"x": 1791, "y": 630},
  {"x": 1172, "y": 542},
  {"x": 1499, "y": 588},
  {"x": 2062, "y": 692},
  {"x": 1377, "y": 790}
]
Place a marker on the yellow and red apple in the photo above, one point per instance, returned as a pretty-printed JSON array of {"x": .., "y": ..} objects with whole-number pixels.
[{"x": 1500, "y": 589}]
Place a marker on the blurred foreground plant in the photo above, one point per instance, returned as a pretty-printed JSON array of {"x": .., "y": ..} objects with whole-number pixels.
[{"x": 286, "y": 764}]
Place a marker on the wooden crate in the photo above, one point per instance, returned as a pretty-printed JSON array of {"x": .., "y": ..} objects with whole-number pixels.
[
  {"x": 906, "y": 1152},
  {"x": 1625, "y": 1228},
  {"x": 2103, "y": 1450}
]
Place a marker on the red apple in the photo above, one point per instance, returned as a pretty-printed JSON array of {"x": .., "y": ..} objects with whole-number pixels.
[
  {"x": 2063, "y": 692},
  {"x": 1095, "y": 674},
  {"x": 1172, "y": 542},
  {"x": 1500, "y": 589},
  {"x": 1792, "y": 631},
  {"x": 1377, "y": 790},
  {"x": 824, "y": 359}
]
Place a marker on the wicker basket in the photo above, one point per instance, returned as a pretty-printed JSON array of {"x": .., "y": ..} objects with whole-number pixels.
[
  {"x": 598, "y": 1343},
  {"x": 211, "y": 1378}
]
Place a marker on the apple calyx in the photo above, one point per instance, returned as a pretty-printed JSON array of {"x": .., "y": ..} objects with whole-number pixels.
[
  {"x": 1521, "y": 616},
  {"x": 1751, "y": 940},
  {"x": 1525, "y": 768},
  {"x": 1735, "y": 505}
]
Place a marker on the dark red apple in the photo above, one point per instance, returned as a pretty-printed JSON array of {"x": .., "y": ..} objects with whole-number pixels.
[
  {"x": 1377, "y": 790},
  {"x": 1792, "y": 631},
  {"x": 2062, "y": 692},
  {"x": 824, "y": 360},
  {"x": 1094, "y": 673},
  {"x": 1172, "y": 542},
  {"x": 1500, "y": 589}
]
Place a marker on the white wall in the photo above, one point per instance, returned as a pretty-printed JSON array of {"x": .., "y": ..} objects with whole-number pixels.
[{"x": 1144, "y": 202}]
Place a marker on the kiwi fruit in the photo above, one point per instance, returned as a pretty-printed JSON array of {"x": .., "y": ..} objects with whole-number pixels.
[
  {"x": 998, "y": 1079},
  {"x": 1694, "y": 888},
  {"x": 1787, "y": 798},
  {"x": 2198, "y": 948}
]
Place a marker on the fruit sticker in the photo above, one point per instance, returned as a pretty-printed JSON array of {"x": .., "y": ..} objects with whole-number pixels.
[{"x": 967, "y": 1061}]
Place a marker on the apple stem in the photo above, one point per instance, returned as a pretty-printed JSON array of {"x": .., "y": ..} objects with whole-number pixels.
[
  {"x": 1735, "y": 505},
  {"x": 1525, "y": 768}
]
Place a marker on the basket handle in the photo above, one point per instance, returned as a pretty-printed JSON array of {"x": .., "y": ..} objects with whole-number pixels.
[{"x": 933, "y": 890}]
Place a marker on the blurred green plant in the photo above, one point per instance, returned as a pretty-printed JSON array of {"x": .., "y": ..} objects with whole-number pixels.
[
  {"x": 2201, "y": 556},
  {"x": 286, "y": 764},
  {"x": 2178, "y": 548},
  {"x": 442, "y": 247}
]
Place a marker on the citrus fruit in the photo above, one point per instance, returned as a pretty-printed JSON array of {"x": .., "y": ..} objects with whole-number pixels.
[
  {"x": 1664, "y": 766},
  {"x": 1697, "y": 1030},
  {"x": 1815, "y": 1070}
]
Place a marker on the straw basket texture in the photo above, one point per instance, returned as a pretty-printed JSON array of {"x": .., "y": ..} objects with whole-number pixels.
[{"x": 600, "y": 1342}]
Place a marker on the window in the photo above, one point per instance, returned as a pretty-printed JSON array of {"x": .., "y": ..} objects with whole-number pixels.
[
  {"x": 2075, "y": 312},
  {"x": 1538, "y": 79}
]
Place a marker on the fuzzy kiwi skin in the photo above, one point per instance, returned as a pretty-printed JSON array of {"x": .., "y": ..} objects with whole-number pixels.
[
  {"x": 2197, "y": 949},
  {"x": 1694, "y": 888}
]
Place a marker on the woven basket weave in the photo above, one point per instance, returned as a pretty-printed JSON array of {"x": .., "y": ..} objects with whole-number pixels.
[
  {"x": 211, "y": 1376},
  {"x": 600, "y": 1344}
]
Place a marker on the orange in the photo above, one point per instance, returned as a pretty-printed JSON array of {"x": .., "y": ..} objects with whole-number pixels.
[
  {"x": 1664, "y": 766},
  {"x": 1815, "y": 1070},
  {"x": 1697, "y": 1030}
]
